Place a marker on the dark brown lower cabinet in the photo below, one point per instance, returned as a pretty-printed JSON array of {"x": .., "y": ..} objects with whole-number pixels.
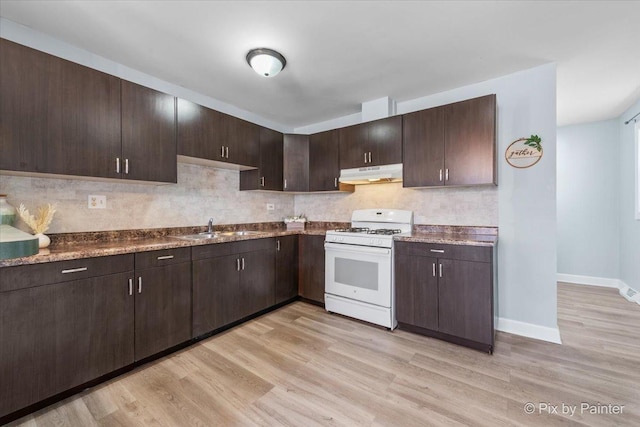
[
  {"x": 446, "y": 291},
  {"x": 311, "y": 270},
  {"x": 57, "y": 336},
  {"x": 231, "y": 281},
  {"x": 162, "y": 301},
  {"x": 286, "y": 268}
]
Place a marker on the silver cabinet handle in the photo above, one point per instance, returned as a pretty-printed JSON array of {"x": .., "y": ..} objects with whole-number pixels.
[
  {"x": 165, "y": 257},
  {"x": 446, "y": 174},
  {"x": 126, "y": 166},
  {"x": 74, "y": 270},
  {"x": 262, "y": 181},
  {"x": 222, "y": 151},
  {"x": 226, "y": 152},
  {"x": 440, "y": 175},
  {"x": 238, "y": 264},
  {"x": 434, "y": 269},
  {"x": 285, "y": 184},
  {"x": 335, "y": 182},
  {"x": 438, "y": 251},
  {"x": 130, "y": 286},
  {"x": 277, "y": 245},
  {"x": 140, "y": 284},
  {"x": 365, "y": 157},
  {"x": 117, "y": 164},
  {"x": 440, "y": 270},
  {"x": 243, "y": 263},
  {"x": 369, "y": 156}
]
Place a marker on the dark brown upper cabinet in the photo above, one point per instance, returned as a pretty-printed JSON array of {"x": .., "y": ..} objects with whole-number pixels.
[
  {"x": 207, "y": 134},
  {"x": 453, "y": 144},
  {"x": 371, "y": 144},
  {"x": 63, "y": 118},
  {"x": 31, "y": 95},
  {"x": 268, "y": 176},
  {"x": 148, "y": 134},
  {"x": 324, "y": 161},
  {"x": 296, "y": 163}
]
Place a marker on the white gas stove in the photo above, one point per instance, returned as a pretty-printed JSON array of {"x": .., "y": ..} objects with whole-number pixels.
[{"x": 359, "y": 265}]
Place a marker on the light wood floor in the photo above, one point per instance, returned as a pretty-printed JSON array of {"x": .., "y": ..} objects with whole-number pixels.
[{"x": 300, "y": 366}]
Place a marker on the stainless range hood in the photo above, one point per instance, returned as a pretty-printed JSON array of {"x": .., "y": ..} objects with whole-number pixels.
[{"x": 372, "y": 174}]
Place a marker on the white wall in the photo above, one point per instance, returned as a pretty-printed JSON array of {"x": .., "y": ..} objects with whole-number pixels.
[
  {"x": 588, "y": 201},
  {"x": 629, "y": 226},
  {"x": 526, "y": 197}
]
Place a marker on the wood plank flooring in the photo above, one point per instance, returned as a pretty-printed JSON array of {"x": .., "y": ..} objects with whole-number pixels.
[{"x": 300, "y": 366}]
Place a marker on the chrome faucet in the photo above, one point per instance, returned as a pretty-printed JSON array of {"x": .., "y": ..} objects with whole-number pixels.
[{"x": 210, "y": 226}]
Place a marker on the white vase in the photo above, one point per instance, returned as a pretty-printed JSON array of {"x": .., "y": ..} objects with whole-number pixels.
[
  {"x": 43, "y": 240},
  {"x": 7, "y": 212}
]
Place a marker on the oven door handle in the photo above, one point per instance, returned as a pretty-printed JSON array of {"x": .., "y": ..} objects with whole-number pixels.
[{"x": 356, "y": 249}]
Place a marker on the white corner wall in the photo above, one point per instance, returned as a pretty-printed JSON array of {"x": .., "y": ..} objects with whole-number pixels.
[
  {"x": 526, "y": 197},
  {"x": 589, "y": 203},
  {"x": 629, "y": 225}
]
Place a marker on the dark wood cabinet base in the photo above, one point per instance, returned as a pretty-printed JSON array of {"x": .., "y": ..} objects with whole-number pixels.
[
  {"x": 445, "y": 337},
  {"x": 95, "y": 382}
]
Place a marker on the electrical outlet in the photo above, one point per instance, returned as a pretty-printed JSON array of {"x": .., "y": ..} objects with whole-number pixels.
[
  {"x": 270, "y": 206},
  {"x": 97, "y": 202}
]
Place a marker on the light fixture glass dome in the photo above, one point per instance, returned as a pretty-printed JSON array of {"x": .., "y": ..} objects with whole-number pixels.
[{"x": 266, "y": 62}]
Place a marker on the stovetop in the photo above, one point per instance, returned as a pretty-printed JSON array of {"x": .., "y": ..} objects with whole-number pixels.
[{"x": 367, "y": 230}]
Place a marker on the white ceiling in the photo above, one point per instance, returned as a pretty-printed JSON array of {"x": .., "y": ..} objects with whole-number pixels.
[{"x": 340, "y": 54}]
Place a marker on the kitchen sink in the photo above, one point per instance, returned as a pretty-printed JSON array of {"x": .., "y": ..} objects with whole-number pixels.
[{"x": 216, "y": 235}]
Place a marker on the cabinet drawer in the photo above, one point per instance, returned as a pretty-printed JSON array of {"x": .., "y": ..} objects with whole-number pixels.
[
  {"x": 230, "y": 248},
  {"x": 152, "y": 259},
  {"x": 460, "y": 252},
  {"x": 28, "y": 276}
]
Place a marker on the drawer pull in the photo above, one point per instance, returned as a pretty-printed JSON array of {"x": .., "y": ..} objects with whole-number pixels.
[
  {"x": 165, "y": 257},
  {"x": 74, "y": 270},
  {"x": 438, "y": 251}
]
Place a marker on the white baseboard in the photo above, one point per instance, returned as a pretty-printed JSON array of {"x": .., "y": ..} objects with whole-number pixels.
[
  {"x": 529, "y": 330},
  {"x": 591, "y": 281}
]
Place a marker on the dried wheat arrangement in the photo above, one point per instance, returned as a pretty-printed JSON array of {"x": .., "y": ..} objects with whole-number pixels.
[{"x": 41, "y": 222}]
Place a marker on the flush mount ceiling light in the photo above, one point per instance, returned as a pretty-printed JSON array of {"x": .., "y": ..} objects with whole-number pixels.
[{"x": 266, "y": 62}]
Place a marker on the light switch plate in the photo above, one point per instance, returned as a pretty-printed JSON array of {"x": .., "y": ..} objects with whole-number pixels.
[
  {"x": 97, "y": 202},
  {"x": 270, "y": 206}
]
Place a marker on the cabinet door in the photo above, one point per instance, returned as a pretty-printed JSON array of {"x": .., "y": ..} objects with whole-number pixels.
[
  {"x": 286, "y": 268},
  {"x": 216, "y": 294},
  {"x": 257, "y": 281},
  {"x": 243, "y": 142},
  {"x": 312, "y": 261},
  {"x": 91, "y": 139},
  {"x": 30, "y": 113},
  {"x": 385, "y": 141},
  {"x": 416, "y": 291},
  {"x": 200, "y": 131},
  {"x": 148, "y": 134},
  {"x": 163, "y": 308},
  {"x": 423, "y": 148},
  {"x": 271, "y": 146},
  {"x": 56, "y": 337},
  {"x": 466, "y": 300},
  {"x": 354, "y": 148},
  {"x": 324, "y": 161},
  {"x": 296, "y": 163},
  {"x": 470, "y": 141}
]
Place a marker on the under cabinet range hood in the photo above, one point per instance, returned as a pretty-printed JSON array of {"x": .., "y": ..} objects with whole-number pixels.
[{"x": 372, "y": 174}]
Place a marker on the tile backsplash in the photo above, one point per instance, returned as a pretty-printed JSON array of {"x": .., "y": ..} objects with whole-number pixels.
[
  {"x": 438, "y": 206},
  {"x": 205, "y": 192},
  {"x": 201, "y": 193}
]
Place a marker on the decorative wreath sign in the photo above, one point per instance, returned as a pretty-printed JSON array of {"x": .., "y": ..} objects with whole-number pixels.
[{"x": 524, "y": 152}]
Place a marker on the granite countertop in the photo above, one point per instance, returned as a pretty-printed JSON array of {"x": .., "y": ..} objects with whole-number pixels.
[{"x": 87, "y": 245}]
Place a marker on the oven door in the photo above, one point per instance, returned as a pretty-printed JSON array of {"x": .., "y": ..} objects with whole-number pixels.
[{"x": 357, "y": 272}]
